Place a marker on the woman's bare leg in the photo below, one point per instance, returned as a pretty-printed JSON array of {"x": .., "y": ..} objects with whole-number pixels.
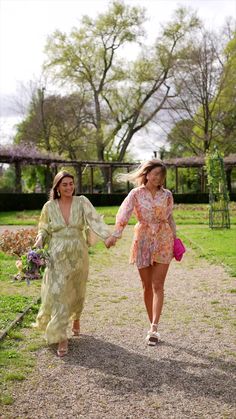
[
  {"x": 146, "y": 277},
  {"x": 159, "y": 272},
  {"x": 153, "y": 279}
]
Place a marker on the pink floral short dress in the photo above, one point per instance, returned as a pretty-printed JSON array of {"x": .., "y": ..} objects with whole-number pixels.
[{"x": 153, "y": 238}]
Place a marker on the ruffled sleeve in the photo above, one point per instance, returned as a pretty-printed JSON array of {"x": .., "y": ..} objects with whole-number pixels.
[
  {"x": 43, "y": 226},
  {"x": 124, "y": 213},
  {"x": 170, "y": 204},
  {"x": 169, "y": 211},
  {"x": 94, "y": 220}
]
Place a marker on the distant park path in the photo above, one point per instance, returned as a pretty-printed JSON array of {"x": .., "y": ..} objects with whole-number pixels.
[
  {"x": 110, "y": 373},
  {"x": 13, "y": 227}
]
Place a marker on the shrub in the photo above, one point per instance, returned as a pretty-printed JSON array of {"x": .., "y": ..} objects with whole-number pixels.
[{"x": 17, "y": 242}]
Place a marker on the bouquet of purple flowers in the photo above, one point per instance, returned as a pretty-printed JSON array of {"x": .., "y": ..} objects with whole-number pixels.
[{"x": 32, "y": 265}]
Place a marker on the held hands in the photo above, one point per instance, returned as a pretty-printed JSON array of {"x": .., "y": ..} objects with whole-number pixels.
[
  {"x": 110, "y": 241},
  {"x": 39, "y": 243}
]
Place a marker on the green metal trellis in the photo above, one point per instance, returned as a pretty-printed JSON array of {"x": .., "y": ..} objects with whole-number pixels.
[{"x": 218, "y": 193}]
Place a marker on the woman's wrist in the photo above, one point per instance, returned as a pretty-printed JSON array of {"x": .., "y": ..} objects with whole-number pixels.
[{"x": 115, "y": 235}]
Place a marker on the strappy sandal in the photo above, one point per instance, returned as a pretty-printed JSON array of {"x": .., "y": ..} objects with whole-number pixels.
[
  {"x": 152, "y": 338},
  {"x": 76, "y": 330},
  {"x": 62, "y": 351}
]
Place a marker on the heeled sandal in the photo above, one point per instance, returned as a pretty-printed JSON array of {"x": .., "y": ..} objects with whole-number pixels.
[
  {"x": 76, "y": 330},
  {"x": 62, "y": 351},
  {"x": 152, "y": 338}
]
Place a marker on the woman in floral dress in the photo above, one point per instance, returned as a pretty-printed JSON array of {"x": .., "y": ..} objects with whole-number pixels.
[
  {"x": 63, "y": 222},
  {"x": 152, "y": 247}
]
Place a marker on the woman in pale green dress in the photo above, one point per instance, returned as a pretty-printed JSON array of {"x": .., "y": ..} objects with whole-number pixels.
[{"x": 63, "y": 224}]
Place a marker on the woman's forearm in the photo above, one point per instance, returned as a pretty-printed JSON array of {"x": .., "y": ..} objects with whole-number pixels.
[{"x": 172, "y": 224}]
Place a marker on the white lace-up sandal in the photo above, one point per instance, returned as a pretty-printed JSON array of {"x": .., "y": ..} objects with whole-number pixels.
[{"x": 152, "y": 338}]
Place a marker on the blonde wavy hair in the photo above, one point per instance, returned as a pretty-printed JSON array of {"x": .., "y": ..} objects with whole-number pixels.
[
  {"x": 56, "y": 182},
  {"x": 139, "y": 176}
]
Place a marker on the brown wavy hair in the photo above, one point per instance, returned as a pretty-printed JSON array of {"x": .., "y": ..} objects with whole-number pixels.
[
  {"x": 139, "y": 175},
  {"x": 56, "y": 182}
]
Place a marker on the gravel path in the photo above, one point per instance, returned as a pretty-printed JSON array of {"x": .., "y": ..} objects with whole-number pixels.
[{"x": 110, "y": 373}]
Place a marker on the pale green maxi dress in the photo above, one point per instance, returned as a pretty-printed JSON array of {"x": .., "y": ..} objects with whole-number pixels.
[{"x": 64, "y": 280}]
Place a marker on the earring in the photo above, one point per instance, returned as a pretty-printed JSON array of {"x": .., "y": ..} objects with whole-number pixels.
[{"x": 58, "y": 193}]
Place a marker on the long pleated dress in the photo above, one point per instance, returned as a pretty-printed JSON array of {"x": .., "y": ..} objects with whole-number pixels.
[
  {"x": 64, "y": 281},
  {"x": 153, "y": 237}
]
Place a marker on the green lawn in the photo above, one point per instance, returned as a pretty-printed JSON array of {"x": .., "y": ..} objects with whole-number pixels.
[
  {"x": 19, "y": 217},
  {"x": 218, "y": 246},
  {"x": 15, "y": 296},
  {"x": 184, "y": 214},
  {"x": 7, "y": 266},
  {"x": 10, "y": 307},
  {"x": 17, "y": 355}
]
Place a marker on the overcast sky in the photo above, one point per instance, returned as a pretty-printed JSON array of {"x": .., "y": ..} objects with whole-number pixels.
[{"x": 25, "y": 25}]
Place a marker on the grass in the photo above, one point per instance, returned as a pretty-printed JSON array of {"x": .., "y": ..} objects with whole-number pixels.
[
  {"x": 14, "y": 296},
  {"x": 217, "y": 246},
  {"x": 7, "y": 266},
  {"x": 17, "y": 357},
  {"x": 198, "y": 214},
  {"x": 10, "y": 307},
  {"x": 19, "y": 217},
  {"x": 185, "y": 214}
]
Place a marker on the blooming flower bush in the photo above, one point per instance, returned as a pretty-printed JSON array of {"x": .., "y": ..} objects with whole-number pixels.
[
  {"x": 17, "y": 242},
  {"x": 32, "y": 265}
]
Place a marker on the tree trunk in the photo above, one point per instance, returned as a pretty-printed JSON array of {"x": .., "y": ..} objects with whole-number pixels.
[{"x": 48, "y": 178}]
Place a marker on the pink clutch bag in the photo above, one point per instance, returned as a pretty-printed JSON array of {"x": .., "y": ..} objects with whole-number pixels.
[{"x": 179, "y": 249}]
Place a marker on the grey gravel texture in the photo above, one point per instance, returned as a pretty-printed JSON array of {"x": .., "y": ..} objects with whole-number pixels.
[{"x": 110, "y": 372}]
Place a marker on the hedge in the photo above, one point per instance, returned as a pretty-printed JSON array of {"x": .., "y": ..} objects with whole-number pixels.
[{"x": 32, "y": 201}]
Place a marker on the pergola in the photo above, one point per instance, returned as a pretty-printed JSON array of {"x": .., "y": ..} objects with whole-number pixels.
[
  {"x": 52, "y": 163},
  {"x": 199, "y": 162}
]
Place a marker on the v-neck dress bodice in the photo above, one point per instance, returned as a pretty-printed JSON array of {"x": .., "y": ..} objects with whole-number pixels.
[
  {"x": 64, "y": 281},
  {"x": 69, "y": 215},
  {"x": 153, "y": 237}
]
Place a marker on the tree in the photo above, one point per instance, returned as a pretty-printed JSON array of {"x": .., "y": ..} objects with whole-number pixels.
[
  {"x": 124, "y": 97},
  {"x": 180, "y": 139},
  {"x": 201, "y": 81},
  {"x": 7, "y": 179},
  {"x": 57, "y": 124},
  {"x": 227, "y": 100}
]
